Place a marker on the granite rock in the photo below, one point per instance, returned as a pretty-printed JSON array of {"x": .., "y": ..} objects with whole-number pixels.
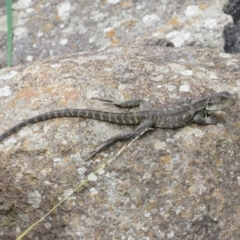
[
  {"x": 168, "y": 184},
  {"x": 49, "y": 28}
]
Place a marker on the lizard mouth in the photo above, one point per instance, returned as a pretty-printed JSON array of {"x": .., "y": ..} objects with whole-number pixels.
[{"x": 221, "y": 105}]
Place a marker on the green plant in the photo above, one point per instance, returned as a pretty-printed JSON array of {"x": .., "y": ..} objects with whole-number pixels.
[{"x": 9, "y": 32}]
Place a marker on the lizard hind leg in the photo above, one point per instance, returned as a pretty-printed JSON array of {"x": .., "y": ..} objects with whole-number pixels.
[
  {"x": 142, "y": 128},
  {"x": 186, "y": 102},
  {"x": 144, "y": 105}
]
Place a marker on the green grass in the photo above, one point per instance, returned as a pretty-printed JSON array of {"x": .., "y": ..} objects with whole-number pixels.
[{"x": 9, "y": 32}]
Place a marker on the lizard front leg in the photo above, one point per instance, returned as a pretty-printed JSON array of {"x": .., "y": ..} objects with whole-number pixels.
[
  {"x": 202, "y": 119},
  {"x": 142, "y": 128}
]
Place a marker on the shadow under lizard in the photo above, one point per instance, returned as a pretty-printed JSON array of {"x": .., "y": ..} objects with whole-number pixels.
[{"x": 200, "y": 112}]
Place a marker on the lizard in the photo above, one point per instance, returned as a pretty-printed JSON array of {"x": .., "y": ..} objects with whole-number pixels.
[{"x": 200, "y": 112}]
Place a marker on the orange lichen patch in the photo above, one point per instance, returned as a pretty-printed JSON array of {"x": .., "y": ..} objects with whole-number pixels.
[
  {"x": 26, "y": 94},
  {"x": 114, "y": 42},
  {"x": 125, "y": 4},
  {"x": 165, "y": 159},
  {"x": 173, "y": 22},
  {"x": 67, "y": 93},
  {"x": 130, "y": 23},
  {"x": 202, "y": 6},
  {"x": 48, "y": 27},
  {"x": 71, "y": 168},
  {"x": 50, "y": 90},
  {"x": 218, "y": 162},
  {"x": 110, "y": 33},
  {"x": 70, "y": 95},
  {"x": 57, "y": 18}
]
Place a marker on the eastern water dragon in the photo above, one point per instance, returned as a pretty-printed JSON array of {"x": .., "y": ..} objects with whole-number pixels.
[{"x": 200, "y": 112}]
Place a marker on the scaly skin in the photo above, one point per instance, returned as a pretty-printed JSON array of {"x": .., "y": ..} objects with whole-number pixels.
[{"x": 199, "y": 112}]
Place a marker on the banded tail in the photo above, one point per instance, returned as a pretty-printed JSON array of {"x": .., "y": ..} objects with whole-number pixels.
[{"x": 120, "y": 118}]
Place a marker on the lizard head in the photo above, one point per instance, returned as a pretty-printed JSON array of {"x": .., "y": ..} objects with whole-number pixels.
[{"x": 219, "y": 101}]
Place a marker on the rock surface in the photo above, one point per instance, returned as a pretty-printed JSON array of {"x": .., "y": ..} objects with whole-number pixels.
[
  {"x": 231, "y": 31},
  {"x": 169, "y": 184},
  {"x": 48, "y": 28}
]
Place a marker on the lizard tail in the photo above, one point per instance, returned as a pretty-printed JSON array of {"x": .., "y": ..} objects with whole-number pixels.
[{"x": 120, "y": 118}]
